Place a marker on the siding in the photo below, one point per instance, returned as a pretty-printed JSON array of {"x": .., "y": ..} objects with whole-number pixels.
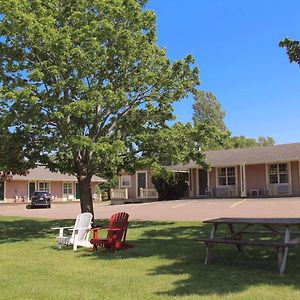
[
  {"x": 295, "y": 178},
  {"x": 255, "y": 177}
]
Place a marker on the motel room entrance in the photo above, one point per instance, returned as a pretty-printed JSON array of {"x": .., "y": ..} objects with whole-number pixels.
[{"x": 202, "y": 182}]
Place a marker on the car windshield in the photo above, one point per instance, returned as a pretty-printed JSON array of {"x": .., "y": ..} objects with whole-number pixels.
[{"x": 40, "y": 194}]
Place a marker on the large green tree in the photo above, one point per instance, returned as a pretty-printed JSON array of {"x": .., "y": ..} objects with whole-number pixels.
[
  {"x": 15, "y": 146},
  {"x": 88, "y": 80},
  {"x": 292, "y": 49},
  {"x": 210, "y": 131}
]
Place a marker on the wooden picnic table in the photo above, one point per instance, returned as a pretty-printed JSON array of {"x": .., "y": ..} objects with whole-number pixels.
[{"x": 280, "y": 229}]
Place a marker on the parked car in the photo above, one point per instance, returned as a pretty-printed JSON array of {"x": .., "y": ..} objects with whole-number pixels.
[{"x": 40, "y": 199}]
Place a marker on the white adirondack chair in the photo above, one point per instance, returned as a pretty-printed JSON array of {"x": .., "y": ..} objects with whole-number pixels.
[{"x": 80, "y": 232}]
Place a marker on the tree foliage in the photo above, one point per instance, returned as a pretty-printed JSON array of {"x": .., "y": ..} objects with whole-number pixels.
[
  {"x": 244, "y": 142},
  {"x": 208, "y": 109},
  {"x": 169, "y": 184},
  {"x": 292, "y": 49},
  {"x": 211, "y": 132},
  {"x": 89, "y": 82}
]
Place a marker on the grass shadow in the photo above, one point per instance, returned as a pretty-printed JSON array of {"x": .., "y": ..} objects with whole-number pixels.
[
  {"x": 182, "y": 257},
  {"x": 230, "y": 272}
]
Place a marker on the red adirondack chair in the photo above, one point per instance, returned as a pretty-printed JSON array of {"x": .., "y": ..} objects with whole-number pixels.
[{"x": 116, "y": 234}]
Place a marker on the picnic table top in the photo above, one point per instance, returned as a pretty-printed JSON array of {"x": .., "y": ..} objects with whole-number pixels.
[{"x": 269, "y": 221}]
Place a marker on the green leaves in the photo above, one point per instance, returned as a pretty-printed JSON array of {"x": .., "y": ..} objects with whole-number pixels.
[
  {"x": 89, "y": 82},
  {"x": 292, "y": 49}
]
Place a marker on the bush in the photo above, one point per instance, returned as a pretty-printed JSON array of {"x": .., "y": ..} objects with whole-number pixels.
[{"x": 169, "y": 184}]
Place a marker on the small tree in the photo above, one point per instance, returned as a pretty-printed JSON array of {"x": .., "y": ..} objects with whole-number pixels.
[{"x": 169, "y": 184}]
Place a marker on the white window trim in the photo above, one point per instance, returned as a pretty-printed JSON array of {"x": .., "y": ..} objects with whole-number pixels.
[
  {"x": 44, "y": 181},
  {"x": 121, "y": 182},
  {"x": 289, "y": 173},
  {"x": 235, "y": 174},
  {"x": 136, "y": 181},
  {"x": 65, "y": 196},
  {"x": 290, "y": 183}
]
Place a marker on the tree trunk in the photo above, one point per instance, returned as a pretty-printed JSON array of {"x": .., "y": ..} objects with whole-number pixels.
[{"x": 85, "y": 191}]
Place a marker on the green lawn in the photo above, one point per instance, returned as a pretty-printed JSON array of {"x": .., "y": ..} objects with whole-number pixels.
[{"x": 164, "y": 264}]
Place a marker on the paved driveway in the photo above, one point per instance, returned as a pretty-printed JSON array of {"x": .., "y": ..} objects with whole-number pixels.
[{"x": 177, "y": 210}]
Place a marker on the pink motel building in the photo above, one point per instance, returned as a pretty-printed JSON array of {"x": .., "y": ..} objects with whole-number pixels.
[
  {"x": 271, "y": 171},
  {"x": 62, "y": 187}
]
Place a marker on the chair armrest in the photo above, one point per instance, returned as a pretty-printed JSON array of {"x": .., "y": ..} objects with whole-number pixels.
[
  {"x": 95, "y": 231},
  {"x": 97, "y": 228},
  {"x": 58, "y": 228},
  {"x": 78, "y": 228},
  {"x": 61, "y": 230},
  {"x": 117, "y": 229}
]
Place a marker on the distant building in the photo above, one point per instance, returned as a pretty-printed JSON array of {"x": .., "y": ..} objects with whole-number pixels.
[{"x": 62, "y": 187}]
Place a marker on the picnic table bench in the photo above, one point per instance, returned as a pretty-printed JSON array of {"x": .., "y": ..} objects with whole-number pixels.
[{"x": 282, "y": 244}]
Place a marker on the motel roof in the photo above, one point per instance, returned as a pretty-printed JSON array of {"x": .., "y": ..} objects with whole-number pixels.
[
  {"x": 41, "y": 173},
  {"x": 248, "y": 156}
]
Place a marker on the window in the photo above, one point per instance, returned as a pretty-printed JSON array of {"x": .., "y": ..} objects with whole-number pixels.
[
  {"x": 278, "y": 173},
  {"x": 68, "y": 188},
  {"x": 44, "y": 186},
  {"x": 226, "y": 176},
  {"x": 125, "y": 181}
]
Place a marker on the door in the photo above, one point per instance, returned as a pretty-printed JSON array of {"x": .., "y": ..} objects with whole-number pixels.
[
  {"x": 31, "y": 188},
  {"x": 1, "y": 191},
  {"x": 77, "y": 191},
  {"x": 141, "y": 181},
  {"x": 202, "y": 182}
]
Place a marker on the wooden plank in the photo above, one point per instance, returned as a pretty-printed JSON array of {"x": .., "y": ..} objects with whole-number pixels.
[
  {"x": 285, "y": 251},
  {"x": 243, "y": 242},
  {"x": 209, "y": 247},
  {"x": 258, "y": 221},
  {"x": 232, "y": 230}
]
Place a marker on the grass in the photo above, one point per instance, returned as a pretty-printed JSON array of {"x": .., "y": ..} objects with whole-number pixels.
[{"x": 164, "y": 264}]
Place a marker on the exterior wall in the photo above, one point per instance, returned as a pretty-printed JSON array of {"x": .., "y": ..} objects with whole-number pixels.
[
  {"x": 255, "y": 178},
  {"x": 295, "y": 178},
  {"x": 132, "y": 190},
  {"x": 238, "y": 181},
  {"x": 56, "y": 190},
  {"x": 15, "y": 188},
  {"x": 194, "y": 183},
  {"x": 212, "y": 178},
  {"x": 20, "y": 188}
]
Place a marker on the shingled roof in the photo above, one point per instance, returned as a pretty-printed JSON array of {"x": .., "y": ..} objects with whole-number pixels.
[
  {"x": 41, "y": 173},
  {"x": 248, "y": 156}
]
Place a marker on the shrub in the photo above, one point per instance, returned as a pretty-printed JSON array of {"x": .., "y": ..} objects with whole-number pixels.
[{"x": 169, "y": 184}]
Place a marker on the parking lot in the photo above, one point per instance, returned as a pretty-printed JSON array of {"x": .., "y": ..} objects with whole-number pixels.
[{"x": 176, "y": 210}]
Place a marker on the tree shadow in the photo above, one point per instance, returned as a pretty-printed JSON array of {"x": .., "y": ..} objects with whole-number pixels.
[
  {"x": 230, "y": 272},
  {"x": 25, "y": 229}
]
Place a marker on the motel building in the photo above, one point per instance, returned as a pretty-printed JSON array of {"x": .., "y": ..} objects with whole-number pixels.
[
  {"x": 270, "y": 171},
  {"x": 62, "y": 187}
]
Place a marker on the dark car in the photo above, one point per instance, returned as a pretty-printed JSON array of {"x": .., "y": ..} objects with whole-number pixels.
[{"x": 40, "y": 199}]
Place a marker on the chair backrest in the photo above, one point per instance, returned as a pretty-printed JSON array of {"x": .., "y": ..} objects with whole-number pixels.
[
  {"x": 118, "y": 221},
  {"x": 82, "y": 221}
]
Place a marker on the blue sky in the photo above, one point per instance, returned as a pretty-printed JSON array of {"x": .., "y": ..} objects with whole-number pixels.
[{"x": 235, "y": 44}]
